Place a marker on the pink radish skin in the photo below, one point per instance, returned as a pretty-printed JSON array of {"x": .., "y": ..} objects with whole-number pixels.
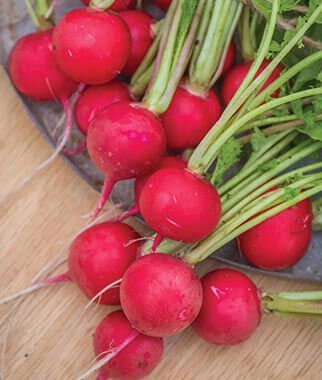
[
  {"x": 235, "y": 76},
  {"x": 138, "y": 359},
  {"x": 118, "y": 5},
  {"x": 34, "y": 71},
  {"x": 163, "y": 4},
  {"x": 140, "y": 26},
  {"x": 124, "y": 141},
  {"x": 280, "y": 241},
  {"x": 160, "y": 295},
  {"x": 180, "y": 205},
  {"x": 166, "y": 162},
  {"x": 189, "y": 118},
  {"x": 100, "y": 256},
  {"x": 95, "y": 98},
  {"x": 91, "y": 46},
  {"x": 231, "y": 308}
]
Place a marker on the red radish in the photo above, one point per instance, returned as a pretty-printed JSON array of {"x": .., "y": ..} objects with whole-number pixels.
[
  {"x": 280, "y": 241},
  {"x": 235, "y": 76},
  {"x": 99, "y": 256},
  {"x": 95, "y": 98},
  {"x": 166, "y": 162},
  {"x": 231, "y": 308},
  {"x": 118, "y": 5},
  {"x": 230, "y": 58},
  {"x": 160, "y": 295},
  {"x": 140, "y": 26},
  {"x": 163, "y": 4},
  {"x": 180, "y": 205},
  {"x": 137, "y": 359},
  {"x": 34, "y": 71},
  {"x": 125, "y": 141},
  {"x": 189, "y": 118},
  {"x": 91, "y": 46}
]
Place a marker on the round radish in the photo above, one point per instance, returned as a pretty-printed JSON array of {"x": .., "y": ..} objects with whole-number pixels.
[
  {"x": 118, "y": 5},
  {"x": 180, "y": 205},
  {"x": 189, "y": 118},
  {"x": 231, "y": 308},
  {"x": 235, "y": 76},
  {"x": 166, "y": 162},
  {"x": 160, "y": 295},
  {"x": 140, "y": 26},
  {"x": 95, "y": 98},
  {"x": 34, "y": 71},
  {"x": 230, "y": 58},
  {"x": 125, "y": 141},
  {"x": 137, "y": 359},
  {"x": 99, "y": 256},
  {"x": 91, "y": 46},
  {"x": 280, "y": 241},
  {"x": 163, "y": 4}
]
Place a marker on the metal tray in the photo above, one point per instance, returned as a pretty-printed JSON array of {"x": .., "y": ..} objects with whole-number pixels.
[{"x": 46, "y": 117}]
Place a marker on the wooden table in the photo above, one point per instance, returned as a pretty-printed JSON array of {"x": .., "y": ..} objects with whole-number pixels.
[{"x": 49, "y": 340}]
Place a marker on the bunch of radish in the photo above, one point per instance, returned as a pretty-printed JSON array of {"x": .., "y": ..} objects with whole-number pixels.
[{"x": 167, "y": 129}]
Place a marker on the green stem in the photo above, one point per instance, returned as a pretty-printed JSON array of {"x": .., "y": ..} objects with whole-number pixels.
[
  {"x": 176, "y": 45},
  {"x": 317, "y": 214},
  {"x": 214, "y": 149},
  {"x": 195, "y": 163},
  {"x": 247, "y": 90},
  {"x": 32, "y": 13},
  {"x": 245, "y": 36},
  {"x": 213, "y": 42},
  {"x": 210, "y": 244},
  {"x": 101, "y": 4},
  {"x": 297, "y": 304},
  {"x": 283, "y": 162},
  {"x": 143, "y": 73}
]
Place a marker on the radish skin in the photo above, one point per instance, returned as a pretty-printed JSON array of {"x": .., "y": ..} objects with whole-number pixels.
[
  {"x": 140, "y": 26},
  {"x": 91, "y": 46},
  {"x": 34, "y": 71},
  {"x": 163, "y": 4},
  {"x": 280, "y": 241},
  {"x": 118, "y": 5},
  {"x": 124, "y": 141},
  {"x": 231, "y": 308},
  {"x": 235, "y": 76},
  {"x": 189, "y": 118},
  {"x": 95, "y": 98},
  {"x": 160, "y": 295},
  {"x": 180, "y": 205},
  {"x": 137, "y": 359}
]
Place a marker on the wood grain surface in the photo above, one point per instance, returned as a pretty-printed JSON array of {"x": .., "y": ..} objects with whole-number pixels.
[{"x": 50, "y": 339}]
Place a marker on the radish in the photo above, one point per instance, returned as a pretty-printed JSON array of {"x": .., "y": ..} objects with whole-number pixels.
[
  {"x": 280, "y": 241},
  {"x": 91, "y": 46},
  {"x": 140, "y": 26},
  {"x": 160, "y": 295},
  {"x": 166, "y": 162},
  {"x": 95, "y": 98},
  {"x": 118, "y": 5},
  {"x": 180, "y": 205},
  {"x": 124, "y": 141},
  {"x": 34, "y": 71},
  {"x": 163, "y": 4},
  {"x": 98, "y": 258},
  {"x": 235, "y": 76},
  {"x": 231, "y": 308},
  {"x": 137, "y": 359},
  {"x": 189, "y": 118}
]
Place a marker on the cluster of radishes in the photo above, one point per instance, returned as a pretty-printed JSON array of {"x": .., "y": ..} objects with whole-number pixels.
[{"x": 160, "y": 295}]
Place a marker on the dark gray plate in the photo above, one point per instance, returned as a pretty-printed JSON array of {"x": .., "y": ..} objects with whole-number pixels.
[{"x": 46, "y": 116}]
